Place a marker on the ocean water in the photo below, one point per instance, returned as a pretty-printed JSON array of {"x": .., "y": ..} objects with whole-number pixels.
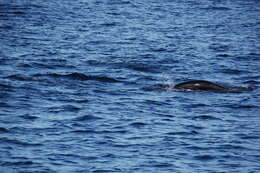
[{"x": 86, "y": 86}]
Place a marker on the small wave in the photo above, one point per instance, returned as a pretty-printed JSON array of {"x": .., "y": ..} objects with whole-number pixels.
[
  {"x": 37, "y": 65},
  {"x": 219, "y": 47},
  {"x": 79, "y": 76},
  {"x": 72, "y": 156},
  {"x": 197, "y": 127},
  {"x": 20, "y": 77},
  {"x": 138, "y": 66},
  {"x": 87, "y": 118},
  {"x": 109, "y": 24},
  {"x": 19, "y": 12},
  {"x": 100, "y": 132},
  {"x": 5, "y": 86},
  {"x": 233, "y": 71},
  {"x": 138, "y": 124},
  {"x": 253, "y": 82},
  {"x": 217, "y": 8},
  {"x": 250, "y": 137},
  {"x": 52, "y": 65},
  {"x": 142, "y": 67},
  {"x": 124, "y": 2},
  {"x": 242, "y": 88},
  {"x": 231, "y": 146},
  {"x": 156, "y": 103},
  {"x": 198, "y": 105},
  {"x": 197, "y": 148},
  {"x": 29, "y": 117},
  {"x": 220, "y": 8},
  {"x": 193, "y": 132},
  {"x": 77, "y": 100},
  {"x": 14, "y": 9},
  {"x": 15, "y": 12},
  {"x": 239, "y": 106},
  {"x": 157, "y": 87},
  {"x": 162, "y": 165},
  {"x": 64, "y": 108},
  {"x": 114, "y": 131},
  {"x": 103, "y": 171},
  {"x": 223, "y": 55},
  {"x": 251, "y": 56},
  {"x": 6, "y": 27},
  {"x": 2, "y": 104},
  {"x": 160, "y": 49},
  {"x": 205, "y": 117},
  {"x": 17, "y": 142},
  {"x": 204, "y": 157},
  {"x": 84, "y": 131},
  {"x": 19, "y": 163},
  {"x": 3, "y": 130}
]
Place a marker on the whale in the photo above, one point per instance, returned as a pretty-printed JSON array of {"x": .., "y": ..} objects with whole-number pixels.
[{"x": 201, "y": 85}]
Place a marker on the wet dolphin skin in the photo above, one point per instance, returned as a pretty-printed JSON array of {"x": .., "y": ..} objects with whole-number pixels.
[{"x": 201, "y": 85}]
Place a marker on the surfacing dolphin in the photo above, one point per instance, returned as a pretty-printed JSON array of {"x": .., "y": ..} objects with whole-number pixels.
[{"x": 201, "y": 85}]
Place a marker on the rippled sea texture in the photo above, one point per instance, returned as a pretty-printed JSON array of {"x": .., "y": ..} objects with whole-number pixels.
[{"x": 85, "y": 86}]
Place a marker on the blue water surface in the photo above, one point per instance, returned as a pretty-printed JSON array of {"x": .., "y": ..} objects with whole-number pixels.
[{"x": 86, "y": 86}]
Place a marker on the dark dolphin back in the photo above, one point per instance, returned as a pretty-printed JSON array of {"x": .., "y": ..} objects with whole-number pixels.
[{"x": 200, "y": 85}]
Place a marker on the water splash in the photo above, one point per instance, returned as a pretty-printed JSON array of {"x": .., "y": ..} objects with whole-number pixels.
[{"x": 167, "y": 81}]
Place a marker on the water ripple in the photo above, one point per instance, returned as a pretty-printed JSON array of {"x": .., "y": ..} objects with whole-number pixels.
[
  {"x": 86, "y": 86},
  {"x": 78, "y": 76},
  {"x": 19, "y": 143}
]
